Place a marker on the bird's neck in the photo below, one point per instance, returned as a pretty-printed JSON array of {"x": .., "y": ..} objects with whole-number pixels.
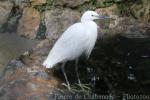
[
  {"x": 86, "y": 21},
  {"x": 89, "y": 24}
]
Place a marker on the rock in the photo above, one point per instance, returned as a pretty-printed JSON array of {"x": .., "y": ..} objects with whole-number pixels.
[
  {"x": 26, "y": 79},
  {"x": 104, "y": 3},
  {"x": 69, "y": 17},
  {"x": 29, "y": 23},
  {"x": 2, "y": 68},
  {"x": 105, "y": 24},
  {"x": 5, "y": 10},
  {"x": 70, "y": 3},
  {"x": 38, "y": 2},
  {"x": 57, "y": 21},
  {"x": 141, "y": 10},
  {"x": 43, "y": 43},
  {"x": 13, "y": 65},
  {"x": 112, "y": 10},
  {"x": 124, "y": 26},
  {"x": 21, "y": 3},
  {"x": 132, "y": 28},
  {"x": 129, "y": 27}
]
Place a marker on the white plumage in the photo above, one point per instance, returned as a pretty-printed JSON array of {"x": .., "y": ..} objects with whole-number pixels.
[{"x": 78, "y": 39}]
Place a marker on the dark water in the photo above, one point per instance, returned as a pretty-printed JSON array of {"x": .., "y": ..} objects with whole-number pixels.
[
  {"x": 117, "y": 66},
  {"x": 12, "y": 45},
  {"x": 122, "y": 65}
]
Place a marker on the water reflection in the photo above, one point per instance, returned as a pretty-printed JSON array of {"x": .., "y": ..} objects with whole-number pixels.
[{"x": 12, "y": 45}]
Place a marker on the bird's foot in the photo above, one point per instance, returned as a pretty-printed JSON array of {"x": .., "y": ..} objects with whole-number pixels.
[
  {"x": 78, "y": 88},
  {"x": 83, "y": 88},
  {"x": 67, "y": 86}
]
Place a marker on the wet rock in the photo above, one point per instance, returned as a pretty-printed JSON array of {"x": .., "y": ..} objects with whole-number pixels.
[
  {"x": 123, "y": 54},
  {"x": 58, "y": 20},
  {"x": 5, "y": 10},
  {"x": 26, "y": 79},
  {"x": 70, "y": 3},
  {"x": 107, "y": 70},
  {"x": 12, "y": 46},
  {"x": 29, "y": 23}
]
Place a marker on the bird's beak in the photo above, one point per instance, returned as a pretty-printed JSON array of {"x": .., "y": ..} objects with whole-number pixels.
[{"x": 104, "y": 17}]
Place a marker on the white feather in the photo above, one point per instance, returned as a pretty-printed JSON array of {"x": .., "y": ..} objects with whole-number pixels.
[{"x": 78, "y": 39}]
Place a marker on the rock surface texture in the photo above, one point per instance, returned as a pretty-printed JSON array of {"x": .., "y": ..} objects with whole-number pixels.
[
  {"x": 5, "y": 10},
  {"x": 58, "y": 20},
  {"x": 118, "y": 64},
  {"x": 70, "y": 3},
  {"x": 25, "y": 78},
  {"x": 29, "y": 23}
]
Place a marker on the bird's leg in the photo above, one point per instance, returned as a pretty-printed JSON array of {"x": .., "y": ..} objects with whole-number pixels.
[
  {"x": 83, "y": 87},
  {"x": 76, "y": 69},
  {"x": 63, "y": 70}
]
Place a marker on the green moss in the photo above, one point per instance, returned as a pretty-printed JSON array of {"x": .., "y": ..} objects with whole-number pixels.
[
  {"x": 42, "y": 28},
  {"x": 44, "y": 7},
  {"x": 104, "y": 3},
  {"x": 93, "y": 2},
  {"x": 138, "y": 9},
  {"x": 41, "y": 31},
  {"x": 123, "y": 8},
  {"x": 87, "y": 6}
]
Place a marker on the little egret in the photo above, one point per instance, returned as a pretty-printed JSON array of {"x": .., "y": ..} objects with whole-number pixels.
[{"x": 78, "y": 39}]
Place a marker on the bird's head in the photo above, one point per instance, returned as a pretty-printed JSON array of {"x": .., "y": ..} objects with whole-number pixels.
[{"x": 91, "y": 15}]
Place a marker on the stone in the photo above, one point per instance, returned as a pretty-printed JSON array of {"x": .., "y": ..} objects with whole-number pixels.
[
  {"x": 104, "y": 3},
  {"x": 26, "y": 79},
  {"x": 29, "y": 23},
  {"x": 2, "y": 68},
  {"x": 70, "y": 3},
  {"x": 21, "y": 3},
  {"x": 5, "y": 10},
  {"x": 129, "y": 28},
  {"x": 13, "y": 65},
  {"x": 105, "y": 24},
  {"x": 38, "y": 2},
  {"x": 112, "y": 10},
  {"x": 136, "y": 29},
  {"x": 57, "y": 21},
  {"x": 141, "y": 10},
  {"x": 43, "y": 43}
]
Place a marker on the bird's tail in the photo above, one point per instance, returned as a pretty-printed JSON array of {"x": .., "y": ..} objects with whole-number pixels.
[{"x": 47, "y": 63}]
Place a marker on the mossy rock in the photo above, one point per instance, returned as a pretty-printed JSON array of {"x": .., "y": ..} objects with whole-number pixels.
[{"x": 104, "y": 3}]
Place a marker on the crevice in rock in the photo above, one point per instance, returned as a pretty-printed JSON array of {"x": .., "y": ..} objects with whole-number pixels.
[{"x": 13, "y": 19}]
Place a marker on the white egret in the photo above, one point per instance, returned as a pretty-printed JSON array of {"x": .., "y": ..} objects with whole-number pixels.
[{"x": 78, "y": 39}]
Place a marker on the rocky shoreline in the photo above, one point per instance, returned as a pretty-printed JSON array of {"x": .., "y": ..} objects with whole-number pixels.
[{"x": 119, "y": 62}]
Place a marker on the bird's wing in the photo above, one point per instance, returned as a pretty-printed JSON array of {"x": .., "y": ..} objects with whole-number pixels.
[
  {"x": 92, "y": 36},
  {"x": 70, "y": 45}
]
